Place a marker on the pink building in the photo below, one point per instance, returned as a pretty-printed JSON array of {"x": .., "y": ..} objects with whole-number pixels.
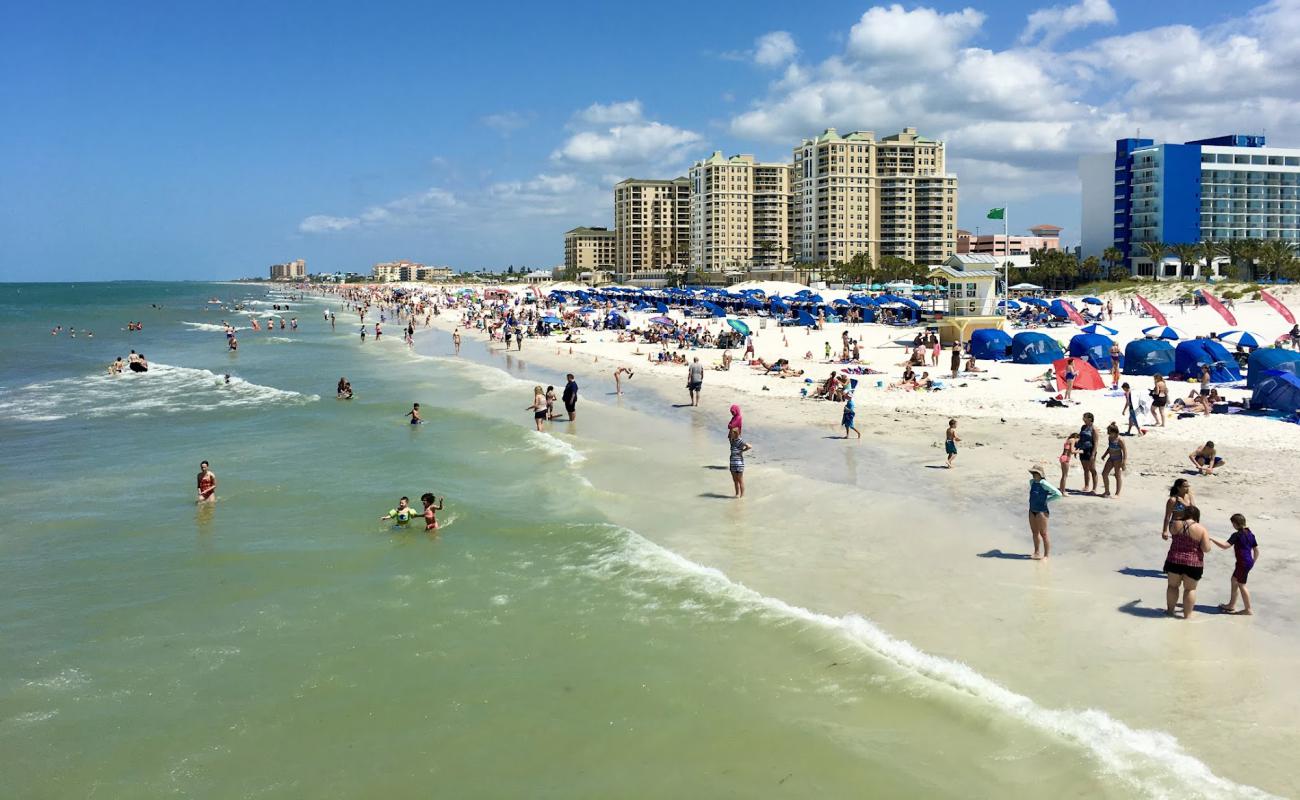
[{"x": 1042, "y": 237}]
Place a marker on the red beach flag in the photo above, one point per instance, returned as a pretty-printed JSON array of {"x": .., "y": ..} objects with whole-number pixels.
[
  {"x": 1278, "y": 307},
  {"x": 1073, "y": 313},
  {"x": 1217, "y": 306},
  {"x": 1153, "y": 311}
]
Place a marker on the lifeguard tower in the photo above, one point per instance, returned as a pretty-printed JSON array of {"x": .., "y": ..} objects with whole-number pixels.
[{"x": 972, "y": 295}]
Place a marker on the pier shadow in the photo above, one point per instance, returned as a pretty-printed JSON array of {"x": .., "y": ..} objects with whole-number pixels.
[
  {"x": 1141, "y": 573},
  {"x": 995, "y": 553}
]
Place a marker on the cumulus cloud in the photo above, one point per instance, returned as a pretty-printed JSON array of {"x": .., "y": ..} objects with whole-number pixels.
[
  {"x": 323, "y": 223},
  {"x": 1052, "y": 23},
  {"x": 774, "y": 49},
  {"x": 638, "y": 143},
  {"x": 894, "y": 33}
]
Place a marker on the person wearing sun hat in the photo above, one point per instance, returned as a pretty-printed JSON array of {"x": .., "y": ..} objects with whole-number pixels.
[{"x": 1040, "y": 494}]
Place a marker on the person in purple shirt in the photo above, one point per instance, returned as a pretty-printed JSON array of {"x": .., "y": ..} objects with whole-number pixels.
[{"x": 1244, "y": 546}]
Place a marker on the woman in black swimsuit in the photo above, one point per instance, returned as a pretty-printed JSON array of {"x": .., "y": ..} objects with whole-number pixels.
[{"x": 1159, "y": 399}]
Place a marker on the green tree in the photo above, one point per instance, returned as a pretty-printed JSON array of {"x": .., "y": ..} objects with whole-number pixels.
[
  {"x": 1112, "y": 256},
  {"x": 1154, "y": 251},
  {"x": 1278, "y": 257},
  {"x": 1188, "y": 256},
  {"x": 1090, "y": 269},
  {"x": 855, "y": 270},
  {"x": 1210, "y": 250}
]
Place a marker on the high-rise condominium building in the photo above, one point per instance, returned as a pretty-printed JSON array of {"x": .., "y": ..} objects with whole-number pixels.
[
  {"x": 289, "y": 271},
  {"x": 858, "y": 194},
  {"x": 740, "y": 214},
  {"x": 652, "y": 222},
  {"x": 1228, "y": 187},
  {"x": 590, "y": 250}
]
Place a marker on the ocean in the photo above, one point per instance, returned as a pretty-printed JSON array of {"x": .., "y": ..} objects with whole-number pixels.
[{"x": 594, "y": 619}]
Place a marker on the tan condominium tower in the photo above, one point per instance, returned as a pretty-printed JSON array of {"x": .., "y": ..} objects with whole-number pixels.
[
  {"x": 652, "y": 222},
  {"x": 885, "y": 197},
  {"x": 740, "y": 214},
  {"x": 589, "y": 250}
]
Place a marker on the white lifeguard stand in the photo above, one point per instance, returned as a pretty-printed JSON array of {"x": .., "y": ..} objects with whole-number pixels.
[{"x": 972, "y": 295}]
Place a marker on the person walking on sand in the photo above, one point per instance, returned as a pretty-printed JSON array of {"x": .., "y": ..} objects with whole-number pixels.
[
  {"x": 846, "y": 421},
  {"x": 950, "y": 441},
  {"x": 956, "y": 357},
  {"x": 1087, "y": 448},
  {"x": 1067, "y": 453},
  {"x": 1116, "y": 459},
  {"x": 695, "y": 380},
  {"x": 1040, "y": 494},
  {"x": 618, "y": 378},
  {"x": 749, "y": 347},
  {"x": 1185, "y": 562},
  {"x": 538, "y": 407},
  {"x": 570, "y": 396},
  {"x": 737, "y": 460},
  {"x": 207, "y": 484},
  {"x": 1246, "y": 551},
  {"x": 1130, "y": 410}
]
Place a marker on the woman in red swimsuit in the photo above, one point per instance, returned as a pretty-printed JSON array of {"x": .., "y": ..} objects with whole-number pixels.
[{"x": 207, "y": 483}]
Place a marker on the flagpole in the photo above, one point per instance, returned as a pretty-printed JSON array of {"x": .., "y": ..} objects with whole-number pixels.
[{"x": 1006, "y": 260}]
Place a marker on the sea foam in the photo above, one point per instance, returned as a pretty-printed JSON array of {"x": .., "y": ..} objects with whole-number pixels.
[
  {"x": 164, "y": 389},
  {"x": 1152, "y": 763}
]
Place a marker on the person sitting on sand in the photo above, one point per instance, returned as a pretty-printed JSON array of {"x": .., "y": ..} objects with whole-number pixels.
[
  {"x": 726, "y": 362},
  {"x": 925, "y": 381},
  {"x": 1205, "y": 459},
  {"x": 971, "y": 367}
]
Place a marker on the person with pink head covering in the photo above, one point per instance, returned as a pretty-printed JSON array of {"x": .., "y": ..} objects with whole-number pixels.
[{"x": 737, "y": 422}]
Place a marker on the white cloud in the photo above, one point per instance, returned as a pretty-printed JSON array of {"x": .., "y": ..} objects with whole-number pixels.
[
  {"x": 610, "y": 113},
  {"x": 323, "y": 223},
  {"x": 507, "y": 122},
  {"x": 893, "y": 33},
  {"x": 774, "y": 49},
  {"x": 628, "y": 144},
  {"x": 1053, "y": 23}
]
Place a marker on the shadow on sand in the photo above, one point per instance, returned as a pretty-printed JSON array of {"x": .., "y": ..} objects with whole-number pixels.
[
  {"x": 1009, "y": 556},
  {"x": 1141, "y": 573}
]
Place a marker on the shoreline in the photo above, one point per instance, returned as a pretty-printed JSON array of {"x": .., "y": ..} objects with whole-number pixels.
[{"x": 906, "y": 436}]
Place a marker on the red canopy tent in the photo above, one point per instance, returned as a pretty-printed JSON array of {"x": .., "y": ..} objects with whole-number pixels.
[{"x": 1086, "y": 375}]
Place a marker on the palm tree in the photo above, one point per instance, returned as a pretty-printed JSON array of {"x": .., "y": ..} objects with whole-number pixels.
[
  {"x": 1188, "y": 255},
  {"x": 1210, "y": 250},
  {"x": 1278, "y": 257},
  {"x": 1112, "y": 256},
  {"x": 1155, "y": 251}
]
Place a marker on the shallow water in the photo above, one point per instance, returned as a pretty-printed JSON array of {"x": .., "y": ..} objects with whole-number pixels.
[{"x": 549, "y": 641}]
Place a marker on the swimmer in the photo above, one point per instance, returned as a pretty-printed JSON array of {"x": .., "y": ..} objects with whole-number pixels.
[
  {"x": 431, "y": 505},
  {"x": 414, "y": 414},
  {"x": 207, "y": 483},
  {"x": 618, "y": 378},
  {"x": 402, "y": 514}
]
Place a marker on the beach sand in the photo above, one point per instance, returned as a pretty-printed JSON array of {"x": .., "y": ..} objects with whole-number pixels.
[{"x": 939, "y": 557}]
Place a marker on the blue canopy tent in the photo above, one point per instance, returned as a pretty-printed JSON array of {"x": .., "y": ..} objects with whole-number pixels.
[
  {"x": 1271, "y": 358},
  {"x": 1058, "y": 310},
  {"x": 805, "y": 318},
  {"x": 990, "y": 343},
  {"x": 1094, "y": 347},
  {"x": 1093, "y": 301},
  {"x": 712, "y": 308},
  {"x": 1030, "y": 347},
  {"x": 1190, "y": 355},
  {"x": 1148, "y": 357},
  {"x": 661, "y": 308},
  {"x": 779, "y": 307},
  {"x": 1277, "y": 389}
]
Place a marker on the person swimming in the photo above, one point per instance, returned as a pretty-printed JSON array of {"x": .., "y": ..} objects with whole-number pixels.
[
  {"x": 414, "y": 414},
  {"x": 431, "y": 506},
  {"x": 402, "y": 514}
]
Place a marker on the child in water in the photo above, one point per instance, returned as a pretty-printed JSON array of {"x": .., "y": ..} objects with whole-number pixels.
[
  {"x": 1246, "y": 550},
  {"x": 431, "y": 505},
  {"x": 402, "y": 514}
]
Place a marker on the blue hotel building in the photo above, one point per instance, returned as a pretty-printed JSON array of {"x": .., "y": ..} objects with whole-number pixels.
[{"x": 1227, "y": 187}]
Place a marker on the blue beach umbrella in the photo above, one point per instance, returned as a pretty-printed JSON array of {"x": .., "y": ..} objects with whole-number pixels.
[
  {"x": 1163, "y": 332},
  {"x": 1243, "y": 338},
  {"x": 552, "y": 320},
  {"x": 1011, "y": 304},
  {"x": 662, "y": 321},
  {"x": 738, "y": 327},
  {"x": 1098, "y": 328},
  {"x": 1093, "y": 301},
  {"x": 1035, "y": 301}
]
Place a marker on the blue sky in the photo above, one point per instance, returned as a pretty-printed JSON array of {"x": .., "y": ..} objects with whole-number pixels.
[{"x": 206, "y": 140}]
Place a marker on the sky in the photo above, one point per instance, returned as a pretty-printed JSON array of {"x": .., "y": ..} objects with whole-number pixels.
[{"x": 204, "y": 140}]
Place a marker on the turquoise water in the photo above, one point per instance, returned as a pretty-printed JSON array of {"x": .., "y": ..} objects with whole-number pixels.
[{"x": 284, "y": 643}]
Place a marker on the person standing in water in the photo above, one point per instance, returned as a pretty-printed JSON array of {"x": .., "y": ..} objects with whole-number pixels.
[
  {"x": 1040, "y": 494},
  {"x": 695, "y": 380},
  {"x": 431, "y": 506},
  {"x": 207, "y": 483},
  {"x": 570, "y": 396},
  {"x": 414, "y": 414},
  {"x": 846, "y": 419},
  {"x": 538, "y": 407},
  {"x": 618, "y": 378},
  {"x": 402, "y": 514},
  {"x": 1246, "y": 549},
  {"x": 950, "y": 441},
  {"x": 455, "y": 341},
  {"x": 736, "y": 462}
]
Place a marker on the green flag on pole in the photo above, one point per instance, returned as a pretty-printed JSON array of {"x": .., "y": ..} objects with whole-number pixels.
[{"x": 997, "y": 213}]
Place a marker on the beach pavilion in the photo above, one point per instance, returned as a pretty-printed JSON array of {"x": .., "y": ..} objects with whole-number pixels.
[{"x": 972, "y": 296}]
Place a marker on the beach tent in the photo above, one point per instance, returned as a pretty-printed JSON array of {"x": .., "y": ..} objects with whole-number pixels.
[
  {"x": 1035, "y": 301},
  {"x": 1085, "y": 375},
  {"x": 712, "y": 308},
  {"x": 990, "y": 343},
  {"x": 805, "y": 318},
  {"x": 1190, "y": 355},
  {"x": 1094, "y": 347},
  {"x": 1148, "y": 357},
  {"x": 1277, "y": 389},
  {"x": 552, "y": 320},
  {"x": 1271, "y": 358},
  {"x": 1058, "y": 309},
  {"x": 1030, "y": 347}
]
